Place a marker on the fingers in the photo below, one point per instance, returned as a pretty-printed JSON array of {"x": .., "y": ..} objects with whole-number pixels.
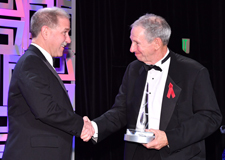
[
  {"x": 87, "y": 131},
  {"x": 160, "y": 140}
]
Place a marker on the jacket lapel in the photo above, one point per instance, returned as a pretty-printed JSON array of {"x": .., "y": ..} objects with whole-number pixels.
[
  {"x": 56, "y": 75},
  {"x": 39, "y": 54},
  {"x": 169, "y": 100}
]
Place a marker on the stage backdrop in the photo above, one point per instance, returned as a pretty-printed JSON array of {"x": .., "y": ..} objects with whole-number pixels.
[
  {"x": 14, "y": 40},
  {"x": 103, "y": 31}
]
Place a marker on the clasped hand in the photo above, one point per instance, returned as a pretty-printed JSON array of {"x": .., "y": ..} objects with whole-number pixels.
[{"x": 88, "y": 130}]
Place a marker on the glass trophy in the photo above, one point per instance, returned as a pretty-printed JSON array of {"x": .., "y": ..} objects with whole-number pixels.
[{"x": 139, "y": 135}]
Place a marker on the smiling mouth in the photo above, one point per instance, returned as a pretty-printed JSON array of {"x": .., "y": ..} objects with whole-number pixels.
[{"x": 64, "y": 44}]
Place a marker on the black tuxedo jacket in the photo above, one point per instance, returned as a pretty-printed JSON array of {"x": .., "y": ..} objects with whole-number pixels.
[
  {"x": 188, "y": 118},
  {"x": 41, "y": 119}
]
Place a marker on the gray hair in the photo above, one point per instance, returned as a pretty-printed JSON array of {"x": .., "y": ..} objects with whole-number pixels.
[
  {"x": 46, "y": 17},
  {"x": 154, "y": 26}
]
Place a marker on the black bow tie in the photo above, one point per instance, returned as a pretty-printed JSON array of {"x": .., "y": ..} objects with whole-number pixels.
[{"x": 149, "y": 67}]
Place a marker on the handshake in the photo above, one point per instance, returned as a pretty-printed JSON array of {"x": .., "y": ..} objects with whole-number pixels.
[
  {"x": 88, "y": 130},
  {"x": 160, "y": 138}
]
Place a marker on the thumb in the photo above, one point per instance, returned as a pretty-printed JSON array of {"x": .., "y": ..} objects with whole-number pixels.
[{"x": 86, "y": 119}]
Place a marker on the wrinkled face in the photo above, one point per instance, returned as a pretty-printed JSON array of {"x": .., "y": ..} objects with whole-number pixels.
[
  {"x": 140, "y": 46},
  {"x": 59, "y": 37}
]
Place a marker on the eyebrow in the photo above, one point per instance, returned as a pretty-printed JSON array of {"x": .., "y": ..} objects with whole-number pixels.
[{"x": 67, "y": 29}]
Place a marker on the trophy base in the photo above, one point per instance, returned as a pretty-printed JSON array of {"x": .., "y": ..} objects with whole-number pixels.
[{"x": 138, "y": 137}]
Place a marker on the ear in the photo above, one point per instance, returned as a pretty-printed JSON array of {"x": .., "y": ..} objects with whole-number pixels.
[
  {"x": 158, "y": 43},
  {"x": 45, "y": 32}
]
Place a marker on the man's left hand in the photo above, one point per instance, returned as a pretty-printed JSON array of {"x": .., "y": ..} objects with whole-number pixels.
[{"x": 160, "y": 140}]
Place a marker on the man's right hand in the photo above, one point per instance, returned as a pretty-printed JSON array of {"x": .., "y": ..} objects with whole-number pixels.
[{"x": 88, "y": 130}]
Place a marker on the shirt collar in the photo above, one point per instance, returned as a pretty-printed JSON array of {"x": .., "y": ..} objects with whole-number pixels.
[
  {"x": 45, "y": 53},
  {"x": 161, "y": 61}
]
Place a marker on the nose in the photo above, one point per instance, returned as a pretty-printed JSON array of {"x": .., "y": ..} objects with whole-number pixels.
[
  {"x": 68, "y": 39},
  {"x": 132, "y": 48}
]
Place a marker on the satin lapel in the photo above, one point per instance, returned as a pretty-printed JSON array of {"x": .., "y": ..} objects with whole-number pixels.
[
  {"x": 138, "y": 93},
  {"x": 169, "y": 104},
  {"x": 39, "y": 54},
  {"x": 56, "y": 75}
]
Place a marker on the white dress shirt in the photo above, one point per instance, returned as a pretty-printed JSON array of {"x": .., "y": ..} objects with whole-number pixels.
[
  {"x": 156, "y": 84},
  {"x": 45, "y": 53}
]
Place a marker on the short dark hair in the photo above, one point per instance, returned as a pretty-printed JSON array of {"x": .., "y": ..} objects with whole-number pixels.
[{"x": 46, "y": 17}]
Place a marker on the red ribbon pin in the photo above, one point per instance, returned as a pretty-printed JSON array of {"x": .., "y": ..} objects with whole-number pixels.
[{"x": 170, "y": 91}]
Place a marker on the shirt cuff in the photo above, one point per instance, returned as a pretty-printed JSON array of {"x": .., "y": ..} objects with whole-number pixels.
[{"x": 95, "y": 136}]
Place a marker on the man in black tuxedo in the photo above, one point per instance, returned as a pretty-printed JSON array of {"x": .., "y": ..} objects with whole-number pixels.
[
  {"x": 182, "y": 107},
  {"x": 41, "y": 118}
]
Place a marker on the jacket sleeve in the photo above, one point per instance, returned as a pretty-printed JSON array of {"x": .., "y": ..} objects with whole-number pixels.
[
  {"x": 45, "y": 97},
  {"x": 115, "y": 118}
]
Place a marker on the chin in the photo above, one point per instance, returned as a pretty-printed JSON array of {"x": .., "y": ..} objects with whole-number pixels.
[
  {"x": 60, "y": 54},
  {"x": 139, "y": 58}
]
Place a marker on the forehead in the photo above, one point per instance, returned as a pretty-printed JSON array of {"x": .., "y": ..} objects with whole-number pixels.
[
  {"x": 63, "y": 23},
  {"x": 137, "y": 33}
]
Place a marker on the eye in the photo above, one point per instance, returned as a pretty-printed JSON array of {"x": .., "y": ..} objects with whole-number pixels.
[
  {"x": 137, "y": 43},
  {"x": 65, "y": 32},
  {"x": 134, "y": 42}
]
